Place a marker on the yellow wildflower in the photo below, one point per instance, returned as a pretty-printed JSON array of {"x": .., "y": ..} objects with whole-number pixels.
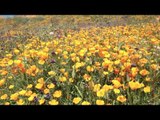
[
  {"x": 52, "y": 73},
  {"x": 86, "y": 103},
  {"x": 101, "y": 93},
  {"x": 4, "y": 97},
  {"x": 100, "y": 102},
  {"x": 121, "y": 98},
  {"x": 53, "y": 102},
  {"x": 51, "y": 85},
  {"x": 57, "y": 94},
  {"x": 147, "y": 89},
  {"x": 11, "y": 86},
  {"x": 77, "y": 100}
]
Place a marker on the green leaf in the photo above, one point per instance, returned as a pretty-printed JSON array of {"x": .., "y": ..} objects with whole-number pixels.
[
  {"x": 79, "y": 91},
  {"x": 73, "y": 73}
]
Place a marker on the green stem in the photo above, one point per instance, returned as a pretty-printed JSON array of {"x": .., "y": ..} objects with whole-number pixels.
[{"x": 79, "y": 91}]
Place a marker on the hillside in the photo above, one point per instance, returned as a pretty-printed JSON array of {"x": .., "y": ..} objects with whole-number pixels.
[{"x": 80, "y": 60}]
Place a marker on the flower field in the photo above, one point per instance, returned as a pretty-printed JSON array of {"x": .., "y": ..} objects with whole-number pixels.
[{"x": 80, "y": 60}]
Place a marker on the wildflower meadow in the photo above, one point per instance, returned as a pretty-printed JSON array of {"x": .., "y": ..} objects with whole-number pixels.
[{"x": 80, "y": 60}]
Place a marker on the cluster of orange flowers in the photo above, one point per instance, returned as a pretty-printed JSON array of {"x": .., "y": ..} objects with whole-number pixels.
[{"x": 103, "y": 66}]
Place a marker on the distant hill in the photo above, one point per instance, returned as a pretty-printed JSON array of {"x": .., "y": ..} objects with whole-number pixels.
[
  {"x": 6, "y": 16},
  {"x": 26, "y": 16},
  {"x": 23, "y": 16}
]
